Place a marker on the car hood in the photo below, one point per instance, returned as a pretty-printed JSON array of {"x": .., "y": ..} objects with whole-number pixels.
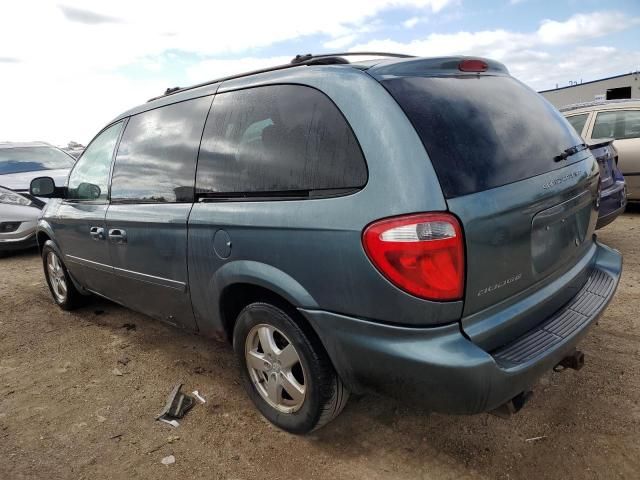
[
  {"x": 18, "y": 213},
  {"x": 20, "y": 181}
]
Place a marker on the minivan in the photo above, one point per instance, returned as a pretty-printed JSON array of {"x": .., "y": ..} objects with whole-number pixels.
[{"x": 417, "y": 227}]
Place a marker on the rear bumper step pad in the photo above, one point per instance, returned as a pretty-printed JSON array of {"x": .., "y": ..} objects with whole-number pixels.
[{"x": 582, "y": 308}]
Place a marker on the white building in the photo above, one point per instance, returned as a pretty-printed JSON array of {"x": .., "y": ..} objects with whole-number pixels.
[{"x": 612, "y": 88}]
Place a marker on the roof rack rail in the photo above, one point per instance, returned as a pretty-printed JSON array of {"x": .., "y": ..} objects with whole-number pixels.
[
  {"x": 594, "y": 103},
  {"x": 298, "y": 60}
]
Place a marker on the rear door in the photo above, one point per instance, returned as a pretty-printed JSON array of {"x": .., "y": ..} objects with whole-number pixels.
[
  {"x": 79, "y": 222},
  {"x": 515, "y": 173},
  {"x": 152, "y": 190}
]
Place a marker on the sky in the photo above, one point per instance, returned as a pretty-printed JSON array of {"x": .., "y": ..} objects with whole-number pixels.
[{"x": 68, "y": 67}]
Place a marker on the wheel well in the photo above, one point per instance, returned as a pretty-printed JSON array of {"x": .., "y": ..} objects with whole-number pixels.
[
  {"x": 42, "y": 237},
  {"x": 237, "y": 296}
]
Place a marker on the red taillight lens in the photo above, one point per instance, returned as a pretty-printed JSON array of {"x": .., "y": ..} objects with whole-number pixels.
[
  {"x": 422, "y": 254},
  {"x": 473, "y": 65}
]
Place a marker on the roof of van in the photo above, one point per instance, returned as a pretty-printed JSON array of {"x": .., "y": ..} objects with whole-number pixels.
[{"x": 384, "y": 65}]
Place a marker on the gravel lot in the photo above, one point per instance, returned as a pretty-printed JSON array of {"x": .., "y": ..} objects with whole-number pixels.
[{"x": 66, "y": 413}]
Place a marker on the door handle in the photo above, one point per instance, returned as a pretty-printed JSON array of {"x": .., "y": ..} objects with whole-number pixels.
[
  {"x": 97, "y": 233},
  {"x": 117, "y": 235}
]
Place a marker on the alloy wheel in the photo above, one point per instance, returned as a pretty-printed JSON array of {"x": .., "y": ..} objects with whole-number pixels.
[
  {"x": 57, "y": 278},
  {"x": 275, "y": 368}
]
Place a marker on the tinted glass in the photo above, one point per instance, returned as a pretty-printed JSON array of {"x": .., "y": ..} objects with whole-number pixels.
[
  {"x": 156, "y": 158},
  {"x": 578, "y": 121},
  {"x": 483, "y": 132},
  {"x": 279, "y": 138},
  {"x": 89, "y": 179},
  {"x": 620, "y": 124},
  {"x": 31, "y": 159}
]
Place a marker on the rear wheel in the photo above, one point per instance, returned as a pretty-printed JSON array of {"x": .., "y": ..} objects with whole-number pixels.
[
  {"x": 62, "y": 288},
  {"x": 287, "y": 373}
]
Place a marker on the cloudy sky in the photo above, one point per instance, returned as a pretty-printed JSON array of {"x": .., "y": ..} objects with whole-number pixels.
[{"x": 67, "y": 67}]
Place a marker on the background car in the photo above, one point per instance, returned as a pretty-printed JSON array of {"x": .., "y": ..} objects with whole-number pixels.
[
  {"x": 19, "y": 212},
  {"x": 618, "y": 119},
  {"x": 613, "y": 193}
]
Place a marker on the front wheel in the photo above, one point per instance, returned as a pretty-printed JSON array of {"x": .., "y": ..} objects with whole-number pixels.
[
  {"x": 62, "y": 288},
  {"x": 286, "y": 372}
]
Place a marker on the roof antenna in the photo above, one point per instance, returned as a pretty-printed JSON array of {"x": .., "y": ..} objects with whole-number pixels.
[{"x": 171, "y": 90}]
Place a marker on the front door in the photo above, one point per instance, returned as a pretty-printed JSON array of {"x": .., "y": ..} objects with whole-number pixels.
[{"x": 79, "y": 222}]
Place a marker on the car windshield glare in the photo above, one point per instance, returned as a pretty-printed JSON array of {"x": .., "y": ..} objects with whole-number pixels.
[{"x": 31, "y": 159}]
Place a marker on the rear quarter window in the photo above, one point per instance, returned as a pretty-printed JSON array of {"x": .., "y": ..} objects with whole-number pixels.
[
  {"x": 483, "y": 131},
  {"x": 288, "y": 139}
]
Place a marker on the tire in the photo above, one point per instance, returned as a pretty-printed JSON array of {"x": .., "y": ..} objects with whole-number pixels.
[
  {"x": 61, "y": 286},
  {"x": 324, "y": 395}
]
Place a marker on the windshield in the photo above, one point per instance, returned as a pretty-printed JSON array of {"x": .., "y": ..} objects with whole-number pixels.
[
  {"x": 483, "y": 132},
  {"x": 30, "y": 159}
]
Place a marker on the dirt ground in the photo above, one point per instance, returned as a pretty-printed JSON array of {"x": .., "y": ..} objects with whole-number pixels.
[{"x": 66, "y": 413}]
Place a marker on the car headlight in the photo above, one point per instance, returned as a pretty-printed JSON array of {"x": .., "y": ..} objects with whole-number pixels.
[{"x": 12, "y": 198}]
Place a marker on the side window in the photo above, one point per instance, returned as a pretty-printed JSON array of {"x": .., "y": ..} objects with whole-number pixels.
[
  {"x": 277, "y": 139},
  {"x": 89, "y": 179},
  {"x": 578, "y": 121},
  {"x": 156, "y": 158},
  {"x": 618, "y": 124}
]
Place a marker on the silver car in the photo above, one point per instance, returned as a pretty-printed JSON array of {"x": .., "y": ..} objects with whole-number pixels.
[{"x": 19, "y": 212}]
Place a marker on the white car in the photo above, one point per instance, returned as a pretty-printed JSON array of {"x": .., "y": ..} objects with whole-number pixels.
[
  {"x": 618, "y": 119},
  {"x": 19, "y": 164}
]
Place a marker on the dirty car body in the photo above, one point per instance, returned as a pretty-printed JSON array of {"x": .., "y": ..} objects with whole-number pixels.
[{"x": 446, "y": 256}]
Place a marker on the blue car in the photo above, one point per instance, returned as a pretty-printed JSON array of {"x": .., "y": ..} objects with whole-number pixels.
[{"x": 613, "y": 193}]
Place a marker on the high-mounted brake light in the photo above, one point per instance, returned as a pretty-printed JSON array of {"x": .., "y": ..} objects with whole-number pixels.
[
  {"x": 473, "y": 65},
  {"x": 422, "y": 254}
]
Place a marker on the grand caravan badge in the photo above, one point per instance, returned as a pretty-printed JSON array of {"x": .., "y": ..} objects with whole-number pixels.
[
  {"x": 559, "y": 180},
  {"x": 501, "y": 284}
]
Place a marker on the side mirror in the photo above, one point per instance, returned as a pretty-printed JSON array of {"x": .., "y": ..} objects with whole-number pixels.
[{"x": 43, "y": 187}]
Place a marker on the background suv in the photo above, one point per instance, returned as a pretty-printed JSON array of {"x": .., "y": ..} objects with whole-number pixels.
[
  {"x": 417, "y": 227},
  {"x": 19, "y": 164}
]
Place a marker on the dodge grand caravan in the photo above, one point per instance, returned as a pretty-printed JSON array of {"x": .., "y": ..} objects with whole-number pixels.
[{"x": 417, "y": 227}]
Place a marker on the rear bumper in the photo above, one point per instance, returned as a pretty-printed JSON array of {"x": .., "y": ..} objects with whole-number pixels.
[
  {"x": 613, "y": 201},
  {"x": 443, "y": 370}
]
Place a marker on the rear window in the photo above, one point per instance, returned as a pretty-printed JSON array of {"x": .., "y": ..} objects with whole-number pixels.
[
  {"x": 31, "y": 159},
  {"x": 482, "y": 132}
]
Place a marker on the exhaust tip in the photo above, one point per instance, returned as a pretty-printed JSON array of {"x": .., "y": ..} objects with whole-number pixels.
[
  {"x": 513, "y": 406},
  {"x": 574, "y": 361}
]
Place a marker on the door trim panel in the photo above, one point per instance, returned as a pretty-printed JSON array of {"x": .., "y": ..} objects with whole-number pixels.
[
  {"x": 143, "y": 277},
  {"x": 89, "y": 263}
]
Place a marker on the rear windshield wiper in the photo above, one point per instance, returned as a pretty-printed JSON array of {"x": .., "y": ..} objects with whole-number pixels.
[{"x": 570, "y": 151}]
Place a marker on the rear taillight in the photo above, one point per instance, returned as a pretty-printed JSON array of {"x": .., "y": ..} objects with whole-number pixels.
[{"x": 422, "y": 254}]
